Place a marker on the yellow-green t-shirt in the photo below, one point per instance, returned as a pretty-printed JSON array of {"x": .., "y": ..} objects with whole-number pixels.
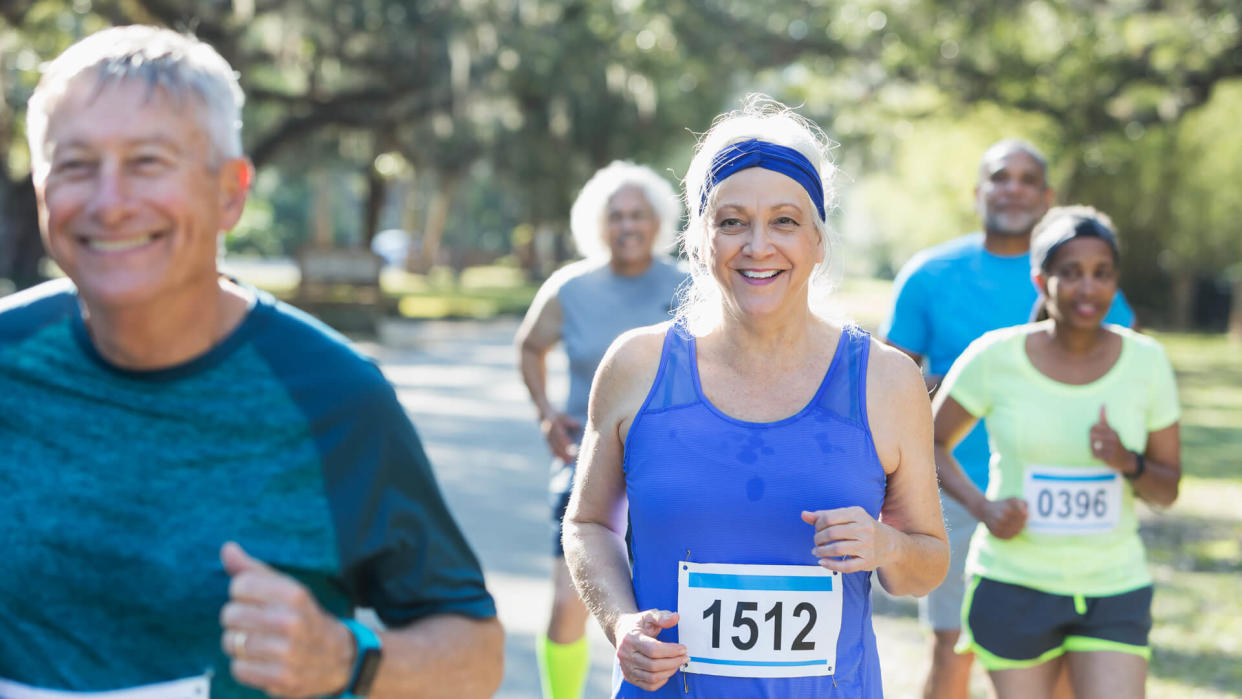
[{"x": 1034, "y": 423}]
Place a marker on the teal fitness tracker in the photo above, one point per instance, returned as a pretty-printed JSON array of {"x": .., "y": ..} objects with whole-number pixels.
[{"x": 366, "y": 660}]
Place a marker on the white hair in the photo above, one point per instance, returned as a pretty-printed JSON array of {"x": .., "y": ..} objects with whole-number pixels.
[
  {"x": 588, "y": 216},
  {"x": 767, "y": 120},
  {"x": 178, "y": 64}
]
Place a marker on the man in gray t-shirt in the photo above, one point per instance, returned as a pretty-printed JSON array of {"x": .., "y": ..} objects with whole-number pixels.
[
  {"x": 597, "y": 305},
  {"x": 618, "y": 221}
]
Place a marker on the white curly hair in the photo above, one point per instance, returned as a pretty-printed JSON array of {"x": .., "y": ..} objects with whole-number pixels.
[{"x": 587, "y": 217}]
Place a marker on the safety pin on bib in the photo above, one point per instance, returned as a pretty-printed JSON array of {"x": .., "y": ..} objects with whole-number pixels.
[{"x": 685, "y": 684}]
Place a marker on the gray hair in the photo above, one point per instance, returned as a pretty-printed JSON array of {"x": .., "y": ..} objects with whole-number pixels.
[
  {"x": 764, "y": 119},
  {"x": 588, "y": 215},
  {"x": 180, "y": 65},
  {"x": 1006, "y": 146}
]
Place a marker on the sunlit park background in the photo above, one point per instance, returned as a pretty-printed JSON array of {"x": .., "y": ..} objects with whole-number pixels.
[{"x": 451, "y": 136}]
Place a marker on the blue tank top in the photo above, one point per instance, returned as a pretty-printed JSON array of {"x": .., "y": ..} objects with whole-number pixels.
[{"x": 730, "y": 491}]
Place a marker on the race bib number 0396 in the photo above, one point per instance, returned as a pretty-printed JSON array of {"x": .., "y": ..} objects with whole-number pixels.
[
  {"x": 1071, "y": 499},
  {"x": 759, "y": 620}
]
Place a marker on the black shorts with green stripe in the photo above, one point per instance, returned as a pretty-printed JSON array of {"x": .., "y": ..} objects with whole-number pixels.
[{"x": 1010, "y": 626}]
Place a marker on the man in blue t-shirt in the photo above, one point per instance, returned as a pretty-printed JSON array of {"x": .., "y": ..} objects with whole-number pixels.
[
  {"x": 200, "y": 484},
  {"x": 944, "y": 298}
]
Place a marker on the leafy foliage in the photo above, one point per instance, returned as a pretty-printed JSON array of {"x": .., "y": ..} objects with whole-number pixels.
[{"x": 525, "y": 98}]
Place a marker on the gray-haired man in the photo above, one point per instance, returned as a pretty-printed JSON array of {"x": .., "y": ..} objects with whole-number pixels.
[{"x": 156, "y": 418}]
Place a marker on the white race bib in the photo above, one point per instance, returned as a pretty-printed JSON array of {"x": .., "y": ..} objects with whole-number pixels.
[
  {"x": 1071, "y": 499},
  {"x": 759, "y": 620},
  {"x": 189, "y": 688}
]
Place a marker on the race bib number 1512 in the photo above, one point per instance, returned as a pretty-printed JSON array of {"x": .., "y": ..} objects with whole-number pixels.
[{"x": 759, "y": 620}]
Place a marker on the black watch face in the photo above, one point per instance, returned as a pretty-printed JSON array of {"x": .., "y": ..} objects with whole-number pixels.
[{"x": 366, "y": 672}]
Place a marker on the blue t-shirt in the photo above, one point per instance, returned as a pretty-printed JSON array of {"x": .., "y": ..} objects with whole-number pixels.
[
  {"x": 119, "y": 487},
  {"x": 947, "y": 296}
]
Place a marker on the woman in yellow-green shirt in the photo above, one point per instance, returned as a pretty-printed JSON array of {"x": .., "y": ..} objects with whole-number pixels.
[{"x": 1082, "y": 418}]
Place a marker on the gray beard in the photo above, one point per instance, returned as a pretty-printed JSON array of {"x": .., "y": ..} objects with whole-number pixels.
[{"x": 1010, "y": 225}]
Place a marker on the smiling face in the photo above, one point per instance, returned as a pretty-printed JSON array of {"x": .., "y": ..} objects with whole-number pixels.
[
  {"x": 132, "y": 205},
  {"x": 1080, "y": 282},
  {"x": 762, "y": 243},
  {"x": 630, "y": 227},
  {"x": 1012, "y": 194}
]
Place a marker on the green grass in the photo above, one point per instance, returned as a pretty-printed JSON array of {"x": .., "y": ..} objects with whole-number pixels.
[
  {"x": 479, "y": 292},
  {"x": 1194, "y": 548},
  {"x": 1209, "y": 379},
  {"x": 865, "y": 301}
]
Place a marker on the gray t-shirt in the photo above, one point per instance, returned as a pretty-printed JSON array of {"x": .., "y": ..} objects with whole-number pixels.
[{"x": 598, "y": 305}]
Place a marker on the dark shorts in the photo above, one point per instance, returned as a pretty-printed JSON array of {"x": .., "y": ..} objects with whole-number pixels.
[
  {"x": 1010, "y": 626},
  {"x": 560, "y": 487}
]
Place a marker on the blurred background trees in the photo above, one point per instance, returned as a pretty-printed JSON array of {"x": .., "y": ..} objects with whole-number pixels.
[{"x": 471, "y": 124}]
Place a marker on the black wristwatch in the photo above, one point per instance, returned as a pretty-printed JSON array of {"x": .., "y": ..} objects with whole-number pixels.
[
  {"x": 369, "y": 652},
  {"x": 1140, "y": 465}
]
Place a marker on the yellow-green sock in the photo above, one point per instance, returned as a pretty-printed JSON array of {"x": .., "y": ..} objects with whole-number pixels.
[{"x": 562, "y": 667}]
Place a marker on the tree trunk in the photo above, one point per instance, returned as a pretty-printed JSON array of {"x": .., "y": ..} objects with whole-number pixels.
[
  {"x": 377, "y": 188},
  {"x": 1235, "y": 308},
  {"x": 321, "y": 224},
  {"x": 545, "y": 248},
  {"x": 437, "y": 217},
  {"x": 1182, "y": 299},
  {"x": 21, "y": 248},
  {"x": 409, "y": 221},
  {"x": 523, "y": 241},
  {"x": 564, "y": 245}
]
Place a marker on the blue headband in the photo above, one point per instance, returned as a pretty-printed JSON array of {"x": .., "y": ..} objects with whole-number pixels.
[{"x": 769, "y": 156}]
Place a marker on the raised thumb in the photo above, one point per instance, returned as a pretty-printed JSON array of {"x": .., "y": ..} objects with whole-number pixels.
[
  {"x": 666, "y": 619},
  {"x": 236, "y": 561},
  {"x": 1103, "y": 416}
]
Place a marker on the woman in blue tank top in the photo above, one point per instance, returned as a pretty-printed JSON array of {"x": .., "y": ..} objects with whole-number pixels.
[{"x": 770, "y": 459}]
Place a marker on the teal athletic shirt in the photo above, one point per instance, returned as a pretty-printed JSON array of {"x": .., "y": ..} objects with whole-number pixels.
[{"x": 119, "y": 487}]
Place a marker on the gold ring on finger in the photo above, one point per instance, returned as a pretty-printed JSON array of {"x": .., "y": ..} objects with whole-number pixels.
[{"x": 238, "y": 644}]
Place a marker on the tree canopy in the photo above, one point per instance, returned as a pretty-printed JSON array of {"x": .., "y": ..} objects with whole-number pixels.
[{"x": 509, "y": 105}]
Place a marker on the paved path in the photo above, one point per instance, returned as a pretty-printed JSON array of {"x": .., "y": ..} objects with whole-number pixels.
[{"x": 459, "y": 383}]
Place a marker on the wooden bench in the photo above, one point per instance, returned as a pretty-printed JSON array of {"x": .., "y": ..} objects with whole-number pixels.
[{"x": 342, "y": 287}]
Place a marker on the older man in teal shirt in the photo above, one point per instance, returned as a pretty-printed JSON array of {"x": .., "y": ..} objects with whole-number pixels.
[{"x": 199, "y": 483}]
